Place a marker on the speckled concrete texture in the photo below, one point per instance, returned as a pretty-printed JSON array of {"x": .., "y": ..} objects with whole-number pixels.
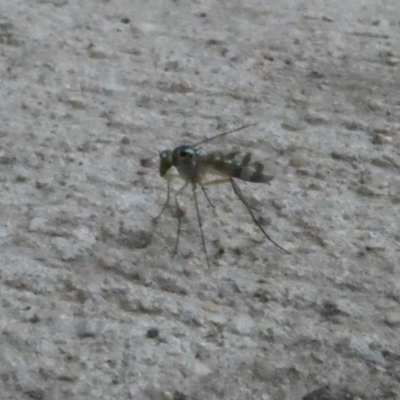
[{"x": 93, "y": 306}]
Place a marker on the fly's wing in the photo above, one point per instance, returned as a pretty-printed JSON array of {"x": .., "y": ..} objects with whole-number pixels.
[{"x": 235, "y": 166}]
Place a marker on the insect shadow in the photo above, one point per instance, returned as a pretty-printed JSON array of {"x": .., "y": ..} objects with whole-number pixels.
[{"x": 193, "y": 167}]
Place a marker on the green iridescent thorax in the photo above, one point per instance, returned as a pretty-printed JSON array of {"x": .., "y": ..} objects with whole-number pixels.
[
  {"x": 185, "y": 160},
  {"x": 166, "y": 161}
]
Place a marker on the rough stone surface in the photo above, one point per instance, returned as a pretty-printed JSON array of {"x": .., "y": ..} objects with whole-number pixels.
[{"x": 92, "y": 306}]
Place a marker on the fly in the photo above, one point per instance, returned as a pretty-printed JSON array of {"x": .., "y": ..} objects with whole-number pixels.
[{"x": 193, "y": 167}]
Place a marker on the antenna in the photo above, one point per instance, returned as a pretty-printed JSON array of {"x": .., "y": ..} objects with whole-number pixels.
[{"x": 224, "y": 134}]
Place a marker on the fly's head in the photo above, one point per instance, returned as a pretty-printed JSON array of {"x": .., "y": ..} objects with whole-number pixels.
[
  {"x": 166, "y": 162},
  {"x": 181, "y": 156}
]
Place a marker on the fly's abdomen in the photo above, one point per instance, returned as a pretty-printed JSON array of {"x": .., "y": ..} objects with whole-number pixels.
[{"x": 234, "y": 166}]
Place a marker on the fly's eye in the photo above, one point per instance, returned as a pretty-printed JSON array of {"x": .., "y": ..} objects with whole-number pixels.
[{"x": 184, "y": 152}]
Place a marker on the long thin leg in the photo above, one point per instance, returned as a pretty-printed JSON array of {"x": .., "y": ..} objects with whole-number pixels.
[
  {"x": 239, "y": 194},
  {"x": 225, "y": 180},
  {"x": 169, "y": 179},
  {"x": 179, "y": 211},
  {"x": 166, "y": 202},
  {"x": 200, "y": 225},
  {"x": 206, "y": 196}
]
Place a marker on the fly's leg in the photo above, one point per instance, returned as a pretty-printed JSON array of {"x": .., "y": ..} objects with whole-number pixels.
[
  {"x": 200, "y": 223},
  {"x": 179, "y": 213},
  {"x": 169, "y": 179},
  {"x": 239, "y": 194},
  {"x": 220, "y": 181},
  {"x": 206, "y": 196},
  {"x": 155, "y": 219}
]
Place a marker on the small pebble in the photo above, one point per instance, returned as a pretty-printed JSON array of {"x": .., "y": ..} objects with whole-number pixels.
[
  {"x": 60, "y": 3},
  {"x": 39, "y": 225},
  {"x": 22, "y": 175},
  {"x": 319, "y": 394},
  {"x": 200, "y": 370},
  {"x": 314, "y": 118},
  {"x": 78, "y": 104},
  {"x": 153, "y": 333},
  {"x": 392, "y": 319},
  {"x": 43, "y": 184},
  {"x": 86, "y": 329},
  {"x": 298, "y": 161},
  {"x": 353, "y": 125},
  {"x": 374, "y": 105},
  {"x": 366, "y": 191},
  {"x": 96, "y": 52},
  {"x": 242, "y": 325},
  {"x": 381, "y": 139}
]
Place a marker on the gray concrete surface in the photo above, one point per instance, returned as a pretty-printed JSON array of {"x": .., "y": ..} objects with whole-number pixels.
[{"x": 92, "y": 306}]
